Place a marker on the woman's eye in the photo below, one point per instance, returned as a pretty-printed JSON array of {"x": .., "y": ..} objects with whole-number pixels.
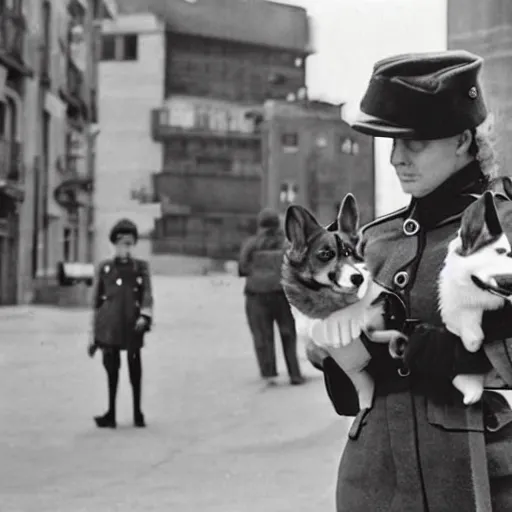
[{"x": 415, "y": 145}]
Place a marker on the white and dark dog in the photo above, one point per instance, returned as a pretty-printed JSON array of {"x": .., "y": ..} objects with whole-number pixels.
[{"x": 478, "y": 261}]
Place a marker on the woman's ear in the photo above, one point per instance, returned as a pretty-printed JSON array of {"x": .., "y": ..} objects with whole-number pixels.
[{"x": 464, "y": 142}]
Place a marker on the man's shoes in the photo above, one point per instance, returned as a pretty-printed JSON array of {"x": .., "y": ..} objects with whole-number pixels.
[{"x": 108, "y": 420}]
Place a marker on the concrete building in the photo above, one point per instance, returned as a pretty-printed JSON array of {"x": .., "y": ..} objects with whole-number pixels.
[
  {"x": 47, "y": 94},
  {"x": 131, "y": 76},
  {"x": 180, "y": 111},
  {"x": 485, "y": 28},
  {"x": 313, "y": 158}
]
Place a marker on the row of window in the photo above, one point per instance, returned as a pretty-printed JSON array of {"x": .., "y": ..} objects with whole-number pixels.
[
  {"x": 242, "y": 52},
  {"x": 125, "y": 47},
  {"x": 290, "y": 143}
]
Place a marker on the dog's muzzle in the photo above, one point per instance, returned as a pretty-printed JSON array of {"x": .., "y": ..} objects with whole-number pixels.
[{"x": 501, "y": 285}]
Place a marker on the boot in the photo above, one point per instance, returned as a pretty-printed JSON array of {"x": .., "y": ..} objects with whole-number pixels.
[{"x": 108, "y": 420}]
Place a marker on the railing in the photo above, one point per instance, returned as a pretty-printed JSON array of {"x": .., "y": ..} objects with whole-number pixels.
[
  {"x": 11, "y": 168},
  {"x": 162, "y": 127},
  {"x": 12, "y": 30}
]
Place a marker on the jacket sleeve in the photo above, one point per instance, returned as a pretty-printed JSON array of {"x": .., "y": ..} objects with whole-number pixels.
[
  {"x": 146, "y": 306},
  {"x": 439, "y": 353},
  {"x": 244, "y": 259},
  {"x": 99, "y": 288},
  {"x": 98, "y": 297}
]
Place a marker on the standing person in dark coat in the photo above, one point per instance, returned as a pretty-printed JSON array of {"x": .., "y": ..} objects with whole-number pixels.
[
  {"x": 260, "y": 262},
  {"x": 419, "y": 448},
  {"x": 123, "y": 304}
]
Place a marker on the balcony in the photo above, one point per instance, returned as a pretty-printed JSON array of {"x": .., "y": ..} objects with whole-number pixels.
[
  {"x": 12, "y": 177},
  {"x": 162, "y": 129},
  {"x": 12, "y": 40}
]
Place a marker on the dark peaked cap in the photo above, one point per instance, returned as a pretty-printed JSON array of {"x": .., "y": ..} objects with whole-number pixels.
[{"x": 423, "y": 96}]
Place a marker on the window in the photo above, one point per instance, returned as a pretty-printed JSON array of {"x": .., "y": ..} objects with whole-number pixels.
[
  {"x": 119, "y": 47},
  {"x": 66, "y": 250},
  {"x": 290, "y": 142},
  {"x": 108, "y": 47},
  {"x": 129, "y": 47}
]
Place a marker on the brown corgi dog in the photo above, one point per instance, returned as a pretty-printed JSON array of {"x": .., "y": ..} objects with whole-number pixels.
[
  {"x": 321, "y": 272},
  {"x": 321, "y": 275}
]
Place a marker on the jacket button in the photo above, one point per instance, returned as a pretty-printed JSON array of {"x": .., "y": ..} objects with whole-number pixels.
[
  {"x": 401, "y": 279},
  {"x": 119, "y": 281},
  {"x": 411, "y": 227}
]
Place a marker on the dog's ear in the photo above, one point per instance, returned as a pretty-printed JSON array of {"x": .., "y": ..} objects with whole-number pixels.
[
  {"x": 480, "y": 224},
  {"x": 299, "y": 224},
  {"x": 348, "y": 216}
]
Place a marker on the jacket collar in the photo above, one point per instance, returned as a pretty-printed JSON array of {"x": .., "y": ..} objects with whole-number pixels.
[{"x": 451, "y": 198}]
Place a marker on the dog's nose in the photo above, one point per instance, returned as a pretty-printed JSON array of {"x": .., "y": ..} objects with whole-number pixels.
[{"x": 356, "y": 279}]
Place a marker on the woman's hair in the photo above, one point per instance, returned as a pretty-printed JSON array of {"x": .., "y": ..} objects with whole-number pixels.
[{"x": 482, "y": 147}]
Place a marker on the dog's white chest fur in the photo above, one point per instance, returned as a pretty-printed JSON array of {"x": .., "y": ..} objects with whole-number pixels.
[{"x": 461, "y": 302}]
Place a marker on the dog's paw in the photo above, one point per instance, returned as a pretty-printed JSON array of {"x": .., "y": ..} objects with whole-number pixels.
[
  {"x": 472, "y": 341},
  {"x": 471, "y": 387}
]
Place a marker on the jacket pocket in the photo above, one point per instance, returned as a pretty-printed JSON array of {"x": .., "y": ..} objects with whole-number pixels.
[{"x": 452, "y": 415}]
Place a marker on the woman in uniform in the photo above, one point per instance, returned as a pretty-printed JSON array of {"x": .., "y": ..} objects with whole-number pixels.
[{"x": 419, "y": 448}]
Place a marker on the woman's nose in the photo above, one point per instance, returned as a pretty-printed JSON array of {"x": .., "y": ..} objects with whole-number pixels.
[{"x": 397, "y": 153}]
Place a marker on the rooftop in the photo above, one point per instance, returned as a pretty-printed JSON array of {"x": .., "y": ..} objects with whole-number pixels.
[{"x": 258, "y": 22}]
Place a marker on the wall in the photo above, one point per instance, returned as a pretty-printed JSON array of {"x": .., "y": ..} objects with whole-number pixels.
[
  {"x": 485, "y": 28},
  {"x": 319, "y": 167},
  {"x": 126, "y": 154}
]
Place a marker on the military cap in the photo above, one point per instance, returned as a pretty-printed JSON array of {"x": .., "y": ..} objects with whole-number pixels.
[
  {"x": 123, "y": 227},
  {"x": 423, "y": 96}
]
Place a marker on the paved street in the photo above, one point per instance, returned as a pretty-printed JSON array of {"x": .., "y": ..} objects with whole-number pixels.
[{"x": 217, "y": 441}]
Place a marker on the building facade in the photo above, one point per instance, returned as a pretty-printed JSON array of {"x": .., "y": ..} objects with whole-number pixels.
[
  {"x": 190, "y": 147},
  {"x": 47, "y": 91},
  {"x": 131, "y": 76},
  {"x": 314, "y": 158},
  {"x": 180, "y": 149},
  {"x": 485, "y": 28}
]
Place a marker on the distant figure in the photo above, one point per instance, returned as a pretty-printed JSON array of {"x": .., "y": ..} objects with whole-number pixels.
[
  {"x": 123, "y": 305},
  {"x": 265, "y": 302}
]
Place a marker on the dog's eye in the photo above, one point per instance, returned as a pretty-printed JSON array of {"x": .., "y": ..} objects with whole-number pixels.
[
  {"x": 325, "y": 255},
  {"x": 501, "y": 250}
]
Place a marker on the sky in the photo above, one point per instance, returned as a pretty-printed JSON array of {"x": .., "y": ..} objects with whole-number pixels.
[{"x": 349, "y": 36}]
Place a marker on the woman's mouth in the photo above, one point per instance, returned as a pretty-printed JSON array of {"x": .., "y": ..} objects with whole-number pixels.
[{"x": 407, "y": 177}]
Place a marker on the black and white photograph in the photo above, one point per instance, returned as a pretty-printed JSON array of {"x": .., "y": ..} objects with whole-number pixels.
[{"x": 255, "y": 256}]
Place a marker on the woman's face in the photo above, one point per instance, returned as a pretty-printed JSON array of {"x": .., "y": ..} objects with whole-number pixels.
[
  {"x": 124, "y": 245},
  {"x": 423, "y": 165}
]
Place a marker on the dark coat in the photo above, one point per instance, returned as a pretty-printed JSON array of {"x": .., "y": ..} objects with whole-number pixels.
[
  {"x": 420, "y": 449},
  {"x": 260, "y": 260},
  {"x": 123, "y": 293}
]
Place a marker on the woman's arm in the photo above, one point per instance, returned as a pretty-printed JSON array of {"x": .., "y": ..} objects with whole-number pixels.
[
  {"x": 437, "y": 352},
  {"x": 244, "y": 259},
  {"x": 146, "y": 306}
]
